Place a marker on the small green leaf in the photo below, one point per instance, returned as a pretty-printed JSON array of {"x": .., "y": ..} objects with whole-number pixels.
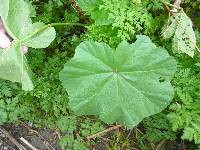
[{"x": 121, "y": 85}]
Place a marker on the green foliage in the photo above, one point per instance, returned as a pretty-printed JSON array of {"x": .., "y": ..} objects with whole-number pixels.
[
  {"x": 185, "y": 109},
  {"x": 98, "y": 13},
  {"x": 191, "y": 6},
  {"x": 158, "y": 128},
  {"x": 55, "y": 11},
  {"x": 99, "y": 89},
  {"x": 69, "y": 126},
  {"x": 104, "y": 34},
  {"x": 68, "y": 142},
  {"x": 154, "y": 5},
  {"x": 117, "y": 20},
  {"x": 9, "y": 98},
  {"x": 119, "y": 140},
  {"x": 47, "y": 104},
  {"x": 48, "y": 100},
  {"x": 111, "y": 22},
  {"x": 129, "y": 19},
  {"x": 197, "y": 33}
]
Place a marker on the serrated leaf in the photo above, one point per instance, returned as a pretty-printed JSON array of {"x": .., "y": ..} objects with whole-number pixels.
[
  {"x": 17, "y": 22},
  {"x": 121, "y": 85},
  {"x": 180, "y": 28}
]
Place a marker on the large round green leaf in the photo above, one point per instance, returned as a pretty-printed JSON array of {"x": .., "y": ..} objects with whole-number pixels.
[{"x": 123, "y": 85}]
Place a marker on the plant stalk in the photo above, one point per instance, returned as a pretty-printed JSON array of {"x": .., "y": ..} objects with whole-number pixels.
[{"x": 50, "y": 25}]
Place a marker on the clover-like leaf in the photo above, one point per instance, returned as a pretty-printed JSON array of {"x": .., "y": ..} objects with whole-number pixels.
[
  {"x": 17, "y": 22},
  {"x": 179, "y": 27},
  {"x": 123, "y": 85}
]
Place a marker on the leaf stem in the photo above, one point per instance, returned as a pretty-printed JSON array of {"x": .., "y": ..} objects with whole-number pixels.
[
  {"x": 103, "y": 132},
  {"x": 50, "y": 25}
]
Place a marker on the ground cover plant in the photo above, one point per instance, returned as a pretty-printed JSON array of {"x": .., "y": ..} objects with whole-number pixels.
[{"x": 103, "y": 74}]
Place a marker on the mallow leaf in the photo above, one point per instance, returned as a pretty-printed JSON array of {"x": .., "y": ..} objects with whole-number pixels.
[
  {"x": 17, "y": 22},
  {"x": 123, "y": 85}
]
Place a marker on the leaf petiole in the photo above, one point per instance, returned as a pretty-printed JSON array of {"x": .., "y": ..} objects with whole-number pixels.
[{"x": 51, "y": 25}]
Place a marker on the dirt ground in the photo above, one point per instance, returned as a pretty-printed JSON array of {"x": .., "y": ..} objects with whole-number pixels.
[
  {"x": 14, "y": 137},
  {"x": 23, "y": 137}
]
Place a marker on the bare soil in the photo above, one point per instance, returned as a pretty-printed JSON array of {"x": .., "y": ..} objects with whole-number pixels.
[{"x": 40, "y": 139}]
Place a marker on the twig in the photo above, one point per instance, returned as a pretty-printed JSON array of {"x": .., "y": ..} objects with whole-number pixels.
[
  {"x": 127, "y": 138},
  {"x": 76, "y": 7},
  {"x": 57, "y": 134},
  {"x": 134, "y": 148},
  {"x": 106, "y": 139},
  {"x": 159, "y": 146},
  {"x": 197, "y": 47},
  {"x": 12, "y": 139},
  {"x": 103, "y": 132},
  {"x": 177, "y": 3},
  {"x": 27, "y": 143},
  {"x": 183, "y": 143},
  {"x": 139, "y": 131},
  {"x": 152, "y": 145},
  {"x": 41, "y": 137}
]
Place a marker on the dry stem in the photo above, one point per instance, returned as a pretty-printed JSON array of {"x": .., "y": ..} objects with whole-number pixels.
[
  {"x": 12, "y": 139},
  {"x": 103, "y": 132}
]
